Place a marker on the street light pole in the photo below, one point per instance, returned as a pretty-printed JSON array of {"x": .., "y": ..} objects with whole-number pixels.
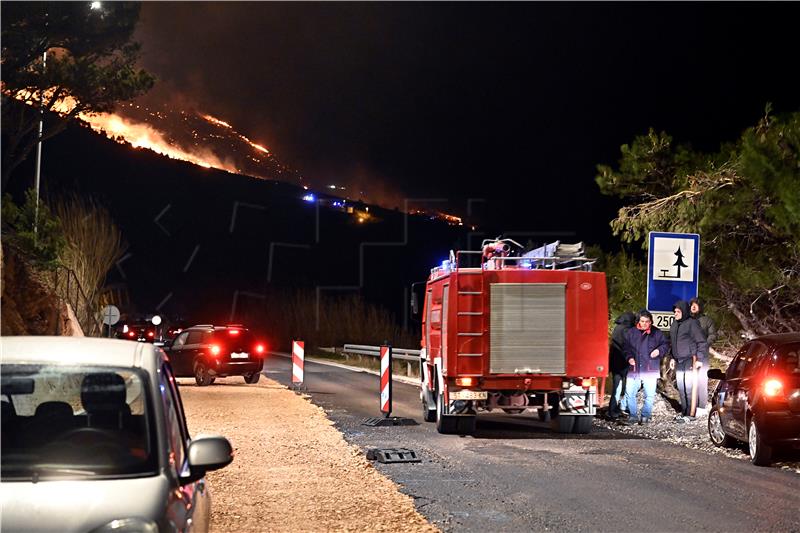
[{"x": 37, "y": 180}]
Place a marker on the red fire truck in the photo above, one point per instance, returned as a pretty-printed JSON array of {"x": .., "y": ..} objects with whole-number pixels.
[{"x": 514, "y": 333}]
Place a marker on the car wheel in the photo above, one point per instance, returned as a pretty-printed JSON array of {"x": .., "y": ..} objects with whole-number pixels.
[
  {"x": 716, "y": 432},
  {"x": 252, "y": 377},
  {"x": 201, "y": 375},
  {"x": 760, "y": 453}
]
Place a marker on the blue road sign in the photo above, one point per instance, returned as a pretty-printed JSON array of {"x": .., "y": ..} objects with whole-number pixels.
[{"x": 673, "y": 261}]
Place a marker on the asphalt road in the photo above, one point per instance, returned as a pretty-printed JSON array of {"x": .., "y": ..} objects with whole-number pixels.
[{"x": 514, "y": 474}]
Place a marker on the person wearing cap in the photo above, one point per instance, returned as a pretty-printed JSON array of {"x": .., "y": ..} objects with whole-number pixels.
[
  {"x": 644, "y": 348},
  {"x": 689, "y": 351}
]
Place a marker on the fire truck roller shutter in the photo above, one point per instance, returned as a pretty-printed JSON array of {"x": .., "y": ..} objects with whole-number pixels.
[{"x": 527, "y": 328}]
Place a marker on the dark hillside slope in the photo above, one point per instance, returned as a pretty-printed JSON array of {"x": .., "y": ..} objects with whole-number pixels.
[{"x": 200, "y": 239}]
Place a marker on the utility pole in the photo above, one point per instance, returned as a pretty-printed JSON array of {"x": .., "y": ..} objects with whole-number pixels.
[{"x": 37, "y": 180}]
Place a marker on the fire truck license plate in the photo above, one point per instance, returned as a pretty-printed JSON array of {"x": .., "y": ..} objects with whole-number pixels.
[
  {"x": 239, "y": 355},
  {"x": 469, "y": 395}
]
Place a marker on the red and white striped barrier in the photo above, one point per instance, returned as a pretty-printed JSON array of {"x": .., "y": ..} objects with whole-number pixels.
[
  {"x": 298, "y": 359},
  {"x": 386, "y": 380}
]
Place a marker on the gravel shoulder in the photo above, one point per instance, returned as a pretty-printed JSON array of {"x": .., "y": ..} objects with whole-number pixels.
[
  {"x": 692, "y": 434},
  {"x": 293, "y": 471}
]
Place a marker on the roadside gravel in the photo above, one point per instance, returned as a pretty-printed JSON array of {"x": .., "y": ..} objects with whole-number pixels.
[
  {"x": 292, "y": 471},
  {"x": 692, "y": 434}
]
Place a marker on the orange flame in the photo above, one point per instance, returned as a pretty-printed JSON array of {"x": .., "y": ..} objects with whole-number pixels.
[
  {"x": 224, "y": 124},
  {"x": 141, "y": 135}
]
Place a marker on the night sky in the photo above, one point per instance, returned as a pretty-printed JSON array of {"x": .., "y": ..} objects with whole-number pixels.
[{"x": 514, "y": 104}]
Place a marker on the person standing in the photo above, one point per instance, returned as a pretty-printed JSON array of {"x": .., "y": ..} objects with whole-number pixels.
[
  {"x": 618, "y": 364},
  {"x": 706, "y": 324},
  {"x": 710, "y": 332},
  {"x": 689, "y": 352},
  {"x": 644, "y": 348}
]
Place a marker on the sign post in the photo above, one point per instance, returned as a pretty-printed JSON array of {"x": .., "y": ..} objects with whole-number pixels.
[
  {"x": 110, "y": 314},
  {"x": 673, "y": 262}
]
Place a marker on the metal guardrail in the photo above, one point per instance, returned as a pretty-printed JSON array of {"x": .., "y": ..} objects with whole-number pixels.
[{"x": 400, "y": 354}]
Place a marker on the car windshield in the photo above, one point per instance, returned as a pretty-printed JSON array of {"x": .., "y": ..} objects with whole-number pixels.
[
  {"x": 788, "y": 359},
  {"x": 75, "y": 421}
]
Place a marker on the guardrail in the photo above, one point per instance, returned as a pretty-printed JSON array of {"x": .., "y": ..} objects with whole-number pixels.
[{"x": 400, "y": 354}]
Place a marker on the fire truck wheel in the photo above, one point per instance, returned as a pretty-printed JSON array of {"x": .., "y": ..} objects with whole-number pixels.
[
  {"x": 583, "y": 425},
  {"x": 445, "y": 424},
  {"x": 563, "y": 423},
  {"x": 427, "y": 414}
]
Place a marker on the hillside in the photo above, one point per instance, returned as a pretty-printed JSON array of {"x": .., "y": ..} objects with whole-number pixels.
[{"x": 203, "y": 240}]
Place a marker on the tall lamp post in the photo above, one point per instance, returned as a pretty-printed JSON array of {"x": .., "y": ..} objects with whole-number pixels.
[{"x": 94, "y": 6}]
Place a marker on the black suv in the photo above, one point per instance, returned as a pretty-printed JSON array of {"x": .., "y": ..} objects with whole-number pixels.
[
  {"x": 207, "y": 352},
  {"x": 757, "y": 400}
]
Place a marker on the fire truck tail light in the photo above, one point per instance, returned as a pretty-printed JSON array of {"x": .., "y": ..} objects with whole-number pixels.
[
  {"x": 215, "y": 349},
  {"x": 773, "y": 387},
  {"x": 465, "y": 382}
]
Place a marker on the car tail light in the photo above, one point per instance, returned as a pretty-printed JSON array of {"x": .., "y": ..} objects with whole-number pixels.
[
  {"x": 131, "y": 334},
  {"x": 465, "y": 382},
  {"x": 233, "y": 332},
  {"x": 260, "y": 348},
  {"x": 215, "y": 349},
  {"x": 773, "y": 387},
  {"x": 151, "y": 334}
]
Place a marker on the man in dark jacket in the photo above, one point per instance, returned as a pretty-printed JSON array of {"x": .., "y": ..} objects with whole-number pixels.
[
  {"x": 689, "y": 349},
  {"x": 706, "y": 324},
  {"x": 644, "y": 347},
  {"x": 618, "y": 363}
]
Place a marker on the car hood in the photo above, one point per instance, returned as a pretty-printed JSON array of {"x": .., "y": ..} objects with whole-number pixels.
[{"x": 79, "y": 505}]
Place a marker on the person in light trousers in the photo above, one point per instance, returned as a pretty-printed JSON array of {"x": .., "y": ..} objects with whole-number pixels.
[{"x": 645, "y": 345}]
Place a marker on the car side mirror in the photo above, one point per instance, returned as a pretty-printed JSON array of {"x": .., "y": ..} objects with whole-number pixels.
[
  {"x": 716, "y": 373},
  {"x": 206, "y": 453}
]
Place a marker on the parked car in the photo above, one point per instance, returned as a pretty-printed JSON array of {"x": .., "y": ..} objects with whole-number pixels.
[
  {"x": 94, "y": 439},
  {"x": 757, "y": 400},
  {"x": 139, "y": 331},
  {"x": 208, "y": 352}
]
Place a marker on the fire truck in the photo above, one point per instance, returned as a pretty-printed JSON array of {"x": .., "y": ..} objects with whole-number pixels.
[{"x": 511, "y": 332}]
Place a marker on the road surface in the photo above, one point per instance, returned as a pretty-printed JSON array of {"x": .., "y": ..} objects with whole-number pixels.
[{"x": 514, "y": 474}]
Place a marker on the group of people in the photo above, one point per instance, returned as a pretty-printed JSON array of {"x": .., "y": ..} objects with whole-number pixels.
[{"x": 637, "y": 348}]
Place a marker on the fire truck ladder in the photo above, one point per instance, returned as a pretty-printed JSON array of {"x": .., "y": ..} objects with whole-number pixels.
[{"x": 471, "y": 305}]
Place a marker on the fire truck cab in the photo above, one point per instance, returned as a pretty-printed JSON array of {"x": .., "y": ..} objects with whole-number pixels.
[{"x": 514, "y": 334}]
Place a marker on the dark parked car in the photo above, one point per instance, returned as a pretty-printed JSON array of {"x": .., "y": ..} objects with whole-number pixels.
[
  {"x": 757, "y": 400},
  {"x": 207, "y": 352}
]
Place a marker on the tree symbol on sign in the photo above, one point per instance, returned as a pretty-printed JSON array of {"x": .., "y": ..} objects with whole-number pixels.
[{"x": 679, "y": 262}]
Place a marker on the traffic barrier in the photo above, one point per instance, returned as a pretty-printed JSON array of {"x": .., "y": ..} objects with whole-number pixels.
[
  {"x": 298, "y": 361},
  {"x": 386, "y": 380}
]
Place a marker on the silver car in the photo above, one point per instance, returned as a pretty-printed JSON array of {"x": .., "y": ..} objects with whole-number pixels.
[{"x": 94, "y": 439}]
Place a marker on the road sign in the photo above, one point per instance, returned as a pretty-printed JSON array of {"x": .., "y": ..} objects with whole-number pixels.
[
  {"x": 110, "y": 314},
  {"x": 673, "y": 262}
]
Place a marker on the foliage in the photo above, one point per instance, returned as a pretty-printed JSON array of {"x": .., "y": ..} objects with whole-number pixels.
[
  {"x": 44, "y": 244},
  {"x": 93, "y": 245},
  {"x": 90, "y": 66},
  {"x": 626, "y": 279},
  {"x": 326, "y": 320},
  {"x": 744, "y": 201}
]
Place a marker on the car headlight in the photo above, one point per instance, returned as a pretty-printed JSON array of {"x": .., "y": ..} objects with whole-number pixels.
[{"x": 128, "y": 525}]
